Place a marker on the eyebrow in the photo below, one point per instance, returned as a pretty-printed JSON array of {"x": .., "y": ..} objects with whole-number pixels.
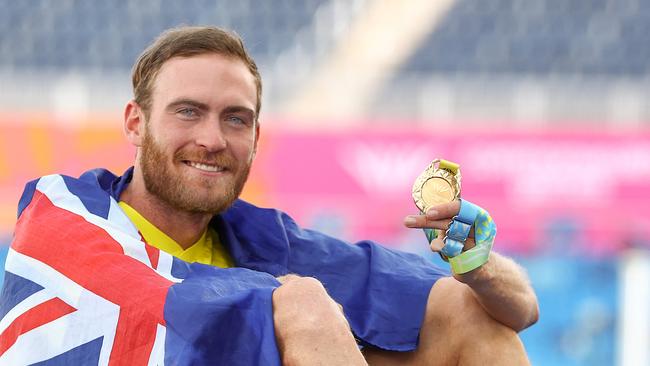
[
  {"x": 193, "y": 103},
  {"x": 239, "y": 109}
]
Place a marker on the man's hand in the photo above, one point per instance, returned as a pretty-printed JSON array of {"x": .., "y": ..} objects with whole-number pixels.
[
  {"x": 310, "y": 326},
  {"x": 292, "y": 277},
  {"x": 439, "y": 217},
  {"x": 500, "y": 285}
]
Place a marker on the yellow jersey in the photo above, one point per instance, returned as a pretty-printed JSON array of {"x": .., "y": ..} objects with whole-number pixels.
[{"x": 207, "y": 250}]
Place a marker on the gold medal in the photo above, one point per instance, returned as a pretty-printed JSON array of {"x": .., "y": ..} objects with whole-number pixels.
[{"x": 438, "y": 184}]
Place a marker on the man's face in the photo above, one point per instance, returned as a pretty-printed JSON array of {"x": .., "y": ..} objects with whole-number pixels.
[{"x": 201, "y": 136}]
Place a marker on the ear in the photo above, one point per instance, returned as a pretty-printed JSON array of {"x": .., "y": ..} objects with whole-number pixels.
[
  {"x": 257, "y": 137},
  {"x": 134, "y": 121}
]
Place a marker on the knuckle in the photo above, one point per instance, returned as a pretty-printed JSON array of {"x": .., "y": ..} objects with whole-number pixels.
[
  {"x": 304, "y": 304},
  {"x": 287, "y": 278},
  {"x": 309, "y": 283},
  {"x": 298, "y": 286}
]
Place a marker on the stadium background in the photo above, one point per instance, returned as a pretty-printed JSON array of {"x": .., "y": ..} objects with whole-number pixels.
[{"x": 544, "y": 105}]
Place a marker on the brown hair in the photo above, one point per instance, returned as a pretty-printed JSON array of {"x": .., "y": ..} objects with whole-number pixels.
[{"x": 187, "y": 42}]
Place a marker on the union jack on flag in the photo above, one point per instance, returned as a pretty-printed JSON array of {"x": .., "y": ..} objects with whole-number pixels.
[{"x": 83, "y": 288}]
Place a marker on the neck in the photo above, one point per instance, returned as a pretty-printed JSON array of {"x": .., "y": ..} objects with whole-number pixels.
[{"x": 185, "y": 228}]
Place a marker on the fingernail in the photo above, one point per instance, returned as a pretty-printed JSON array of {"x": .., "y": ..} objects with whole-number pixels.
[
  {"x": 432, "y": 213},
  {"x": 409, "y": 221}
]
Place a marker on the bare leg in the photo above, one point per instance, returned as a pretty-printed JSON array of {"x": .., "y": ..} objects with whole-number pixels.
[
  {"x": 457, "y": 332},
  {"x": 310, "y": 328}
]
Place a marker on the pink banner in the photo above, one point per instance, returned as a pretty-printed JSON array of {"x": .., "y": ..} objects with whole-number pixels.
[{"x": 548, "y": 191}]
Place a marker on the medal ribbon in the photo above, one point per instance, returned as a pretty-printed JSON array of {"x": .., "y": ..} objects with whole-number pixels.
[{"x": 485, "y": 231}]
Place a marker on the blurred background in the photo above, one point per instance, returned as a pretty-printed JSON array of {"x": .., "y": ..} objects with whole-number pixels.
[{"x": 544, "y": 104}]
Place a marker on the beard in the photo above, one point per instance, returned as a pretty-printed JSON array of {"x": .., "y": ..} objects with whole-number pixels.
[{"x": 191, "y": 193}]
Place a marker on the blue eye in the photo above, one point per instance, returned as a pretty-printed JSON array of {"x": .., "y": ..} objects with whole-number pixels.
[
  {"x": 187, "y": 112},
  {"x": 236, "y": 120}
]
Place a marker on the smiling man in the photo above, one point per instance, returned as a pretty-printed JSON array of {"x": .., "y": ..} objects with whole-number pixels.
[
  {"x": 165, "y": 264},
  {"x": 196, "y": 133}
]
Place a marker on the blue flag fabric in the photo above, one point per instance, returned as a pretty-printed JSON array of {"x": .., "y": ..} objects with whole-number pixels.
[{"x": 79, "y": 271}]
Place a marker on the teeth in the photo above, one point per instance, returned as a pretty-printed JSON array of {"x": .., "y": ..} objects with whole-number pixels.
[{"x": 207, "y": 168}]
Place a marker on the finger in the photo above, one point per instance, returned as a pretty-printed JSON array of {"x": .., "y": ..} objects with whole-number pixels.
[
  {"x": 471, "y": 233},
  {"x": 343, "y": 313},
  {"x": 287, "y": 278},
  {"x": 436, "y": 244},
  {"x": 421, "y": 221},
  {"x": 469, "y": 244},
  {"x": 444, "y": 211}
]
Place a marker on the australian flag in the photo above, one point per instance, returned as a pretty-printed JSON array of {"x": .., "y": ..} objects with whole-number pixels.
[{"x": 82, "y": 287}]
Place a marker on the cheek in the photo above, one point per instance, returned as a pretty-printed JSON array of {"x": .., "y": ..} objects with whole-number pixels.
[
  {"x": 245, "y": 150},
  {"x": 166, "y": 130},
  {"x": 172, "y": 139},
  {"x": 166, "y": 147}
]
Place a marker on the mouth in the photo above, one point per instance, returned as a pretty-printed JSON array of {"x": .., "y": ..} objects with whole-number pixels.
[{"x": 206, "y": 167}]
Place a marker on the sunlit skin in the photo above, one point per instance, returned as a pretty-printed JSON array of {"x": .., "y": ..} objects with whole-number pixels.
[{"x": 195, "y": 151}]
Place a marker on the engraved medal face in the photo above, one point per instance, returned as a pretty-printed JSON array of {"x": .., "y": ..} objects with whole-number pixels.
[
  {"x": 436, "y": 191},
  {"x": 436, "y": 186}
]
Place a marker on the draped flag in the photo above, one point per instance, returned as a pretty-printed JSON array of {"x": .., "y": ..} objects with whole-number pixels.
[{"x": 82, "y": 288}]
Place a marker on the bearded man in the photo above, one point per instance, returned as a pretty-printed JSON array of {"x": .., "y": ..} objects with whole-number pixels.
[{"x": 165, "y": 265}]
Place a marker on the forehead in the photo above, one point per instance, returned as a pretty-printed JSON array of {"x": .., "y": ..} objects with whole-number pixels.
[{"x": 206, "y": 77}]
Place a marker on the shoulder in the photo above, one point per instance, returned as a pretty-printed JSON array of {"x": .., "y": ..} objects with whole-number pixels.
[{"x": 93, "y": 188}]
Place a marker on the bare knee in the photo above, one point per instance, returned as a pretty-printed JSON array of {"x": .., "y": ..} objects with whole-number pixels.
[
  {"x": 452, "y": 304},
  {"x": 471, "y": 335},
  {"x": 486, "y": 341}
]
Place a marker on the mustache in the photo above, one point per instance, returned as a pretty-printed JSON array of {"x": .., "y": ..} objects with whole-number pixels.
[{"x": 221, "y": 159}]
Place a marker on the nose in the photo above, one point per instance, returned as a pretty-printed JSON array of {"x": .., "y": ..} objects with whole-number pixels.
[{"x": 210, "y": 135}]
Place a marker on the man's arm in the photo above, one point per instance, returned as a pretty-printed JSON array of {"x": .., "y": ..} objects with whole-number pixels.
[
  {"x": 500, "y": 285},
  {"x": 502, "y": 288}
]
